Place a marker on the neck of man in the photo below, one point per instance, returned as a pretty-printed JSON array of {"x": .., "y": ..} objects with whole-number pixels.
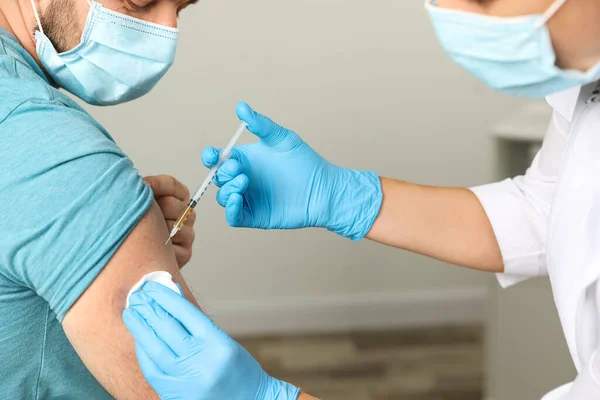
[{"x": 13, "y": 17}]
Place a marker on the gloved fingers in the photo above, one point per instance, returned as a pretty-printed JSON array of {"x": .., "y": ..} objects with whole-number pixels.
[
  {"x": 150, "y": 370},
  {"x": 192, "y": 319},
  {"x": 168, "y": 329},
  {"x": 238, "y": 185},
  {"x": 146, "y": 337},
  {"x": 235, "y": 214},
  {"x": 210, "y": 156},
  {"x": 228, "y": 171},
  {"x": 268, "y": 131},
  {"x": 230, "y": 168}
]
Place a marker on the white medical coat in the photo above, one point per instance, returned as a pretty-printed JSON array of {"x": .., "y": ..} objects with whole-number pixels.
[{"x": 547, "y": 222}]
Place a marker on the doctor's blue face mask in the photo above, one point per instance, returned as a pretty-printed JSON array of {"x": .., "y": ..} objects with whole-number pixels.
[
  {"x": 119, "y": 58},
  {"x": 511, "y": 54}
]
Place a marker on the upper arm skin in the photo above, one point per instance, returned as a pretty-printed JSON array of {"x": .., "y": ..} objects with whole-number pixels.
[{"x": 94, "y": 325}]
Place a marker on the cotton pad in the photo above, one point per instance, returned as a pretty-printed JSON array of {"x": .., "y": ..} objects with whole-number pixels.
[{"x": 162, "y": 277}]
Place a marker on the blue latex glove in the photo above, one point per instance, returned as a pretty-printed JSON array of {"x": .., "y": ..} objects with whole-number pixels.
[
  {"x": 280, "y": 182},
  {"x": 184, "y": 355}
]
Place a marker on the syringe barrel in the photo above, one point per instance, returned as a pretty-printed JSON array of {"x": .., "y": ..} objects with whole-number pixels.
[
  {"x": 223, "y": 156},
  {"x": 227, "y": 150},
  {"x": 207, "y": 181}
]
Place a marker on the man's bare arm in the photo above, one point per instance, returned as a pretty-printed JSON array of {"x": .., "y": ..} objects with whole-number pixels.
[{"x": 94, "y": 325}]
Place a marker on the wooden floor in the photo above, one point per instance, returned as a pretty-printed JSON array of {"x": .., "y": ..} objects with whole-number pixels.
[{"x": 426, "y": 364}]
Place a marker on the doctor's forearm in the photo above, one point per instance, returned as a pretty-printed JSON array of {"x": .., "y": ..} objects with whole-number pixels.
[{"x": 448, "y": 224}]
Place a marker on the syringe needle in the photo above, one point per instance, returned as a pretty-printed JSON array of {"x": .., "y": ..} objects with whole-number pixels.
[
  {"x": 223, "y": 156},
  {"x": 181, "y": 221},
  {"x": 172, "y": 234}
]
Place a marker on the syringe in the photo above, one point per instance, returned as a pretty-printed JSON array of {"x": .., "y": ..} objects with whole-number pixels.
[{"x": 224, "y": 155}]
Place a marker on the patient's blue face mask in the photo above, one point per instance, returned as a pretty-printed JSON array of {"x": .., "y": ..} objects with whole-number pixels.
[
  {"x": 513, "y": 55},
  {"x": 120, "y": 58}
]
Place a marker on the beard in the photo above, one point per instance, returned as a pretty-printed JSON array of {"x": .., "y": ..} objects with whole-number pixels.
[{"x": 61, "y": 24}]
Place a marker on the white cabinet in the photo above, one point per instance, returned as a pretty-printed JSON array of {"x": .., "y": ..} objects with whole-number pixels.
[{"x": 526, "y": 353}]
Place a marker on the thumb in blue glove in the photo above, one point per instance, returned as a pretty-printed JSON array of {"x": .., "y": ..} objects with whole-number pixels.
[
  {"x": 184, "y": 355},
  {"x": 280, "y": 182}
]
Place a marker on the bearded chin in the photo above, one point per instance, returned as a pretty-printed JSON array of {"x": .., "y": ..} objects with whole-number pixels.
[{"x": 61, "y": 25}]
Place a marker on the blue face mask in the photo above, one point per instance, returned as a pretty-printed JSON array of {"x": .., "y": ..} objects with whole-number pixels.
[
  {"x": 513, "y": 55},
  {"x": 119, "y": 59}
]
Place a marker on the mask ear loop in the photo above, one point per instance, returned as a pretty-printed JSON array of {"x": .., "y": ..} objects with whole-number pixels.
[
  {"x": 550, "y": 12},
  {"x": 91, "y": 4},
  {"x": 37, "y": 16}
]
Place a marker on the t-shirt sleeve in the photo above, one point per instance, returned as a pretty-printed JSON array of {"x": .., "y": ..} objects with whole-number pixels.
[
  {"x": 69, "y": 198},
  {"x": 519, "y": 209}
]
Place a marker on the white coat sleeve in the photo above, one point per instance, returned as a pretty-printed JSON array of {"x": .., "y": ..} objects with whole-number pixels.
[{"x": 519, "y": 208}]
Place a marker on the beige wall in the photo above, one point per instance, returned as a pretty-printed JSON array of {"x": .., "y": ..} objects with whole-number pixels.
[{"x": 365, "y": 83}]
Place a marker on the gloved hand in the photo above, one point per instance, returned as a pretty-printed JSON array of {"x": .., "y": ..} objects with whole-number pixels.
[
  {"x": 184, "y": 355},
  {"x": 280, "y": 182}
]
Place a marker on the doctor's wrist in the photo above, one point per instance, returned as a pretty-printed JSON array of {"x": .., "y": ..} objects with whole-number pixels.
[
  {"x": 355, "y": 204},
  {"x": 274, "y": 389}
]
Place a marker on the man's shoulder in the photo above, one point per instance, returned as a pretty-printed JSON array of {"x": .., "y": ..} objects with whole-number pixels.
[
  {"x": 22, "y": 80},
  {"x": 39, "y": 130},
  {"x": 16, "y": 91},
  {"x": 34, "y": 114}
]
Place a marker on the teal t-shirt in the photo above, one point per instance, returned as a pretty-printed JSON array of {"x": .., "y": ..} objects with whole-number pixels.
[{"x": 68, "y": 199}]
